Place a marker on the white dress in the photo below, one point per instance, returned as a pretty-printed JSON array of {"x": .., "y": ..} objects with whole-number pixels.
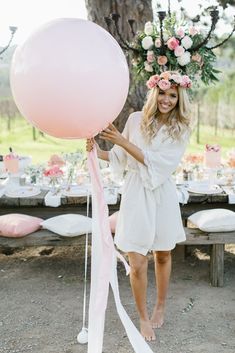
[{"x": 149, "y": 217}]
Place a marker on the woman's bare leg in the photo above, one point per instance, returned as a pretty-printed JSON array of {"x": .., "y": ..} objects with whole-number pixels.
[
  {"x": 138, "y": 279},
  {"x": 162, "y": 260}
]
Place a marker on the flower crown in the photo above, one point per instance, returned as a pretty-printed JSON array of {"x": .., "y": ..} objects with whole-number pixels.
[{"x": 167, "y": 79}]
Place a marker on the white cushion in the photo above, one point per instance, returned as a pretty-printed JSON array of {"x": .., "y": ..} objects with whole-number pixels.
[
  {"x": 215, "y": 220},
  {"x": 68, "y": 225}
]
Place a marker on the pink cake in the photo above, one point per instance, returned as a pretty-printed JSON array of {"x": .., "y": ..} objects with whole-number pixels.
[
  {"x": 11, "y": 163},
  {"x": 212, "y": 156}
]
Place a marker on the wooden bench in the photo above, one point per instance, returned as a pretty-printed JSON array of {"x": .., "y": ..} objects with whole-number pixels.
[
  {"x": 217, "y": 242},
  {"x": 194, "y": 237}
]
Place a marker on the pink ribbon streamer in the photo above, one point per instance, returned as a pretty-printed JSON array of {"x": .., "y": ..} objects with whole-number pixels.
[{"x": 104, "y": 270}]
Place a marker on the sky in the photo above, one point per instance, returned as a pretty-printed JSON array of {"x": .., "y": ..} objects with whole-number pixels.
[{"x": 27, "y": 15}]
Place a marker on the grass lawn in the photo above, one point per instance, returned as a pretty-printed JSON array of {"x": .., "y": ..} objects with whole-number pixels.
[{"x": 20, "y": 138}]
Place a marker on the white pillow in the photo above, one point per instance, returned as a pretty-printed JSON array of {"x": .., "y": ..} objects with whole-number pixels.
[
  {"x": 68, "y": 225},
  {"x": 215, "y": 220}
]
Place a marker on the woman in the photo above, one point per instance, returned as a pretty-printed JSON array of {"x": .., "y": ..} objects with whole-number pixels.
[{"x": 149, "y": 150}]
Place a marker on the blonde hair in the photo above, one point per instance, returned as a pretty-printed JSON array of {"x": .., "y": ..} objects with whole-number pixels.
[{"x": 178, "y": 121}]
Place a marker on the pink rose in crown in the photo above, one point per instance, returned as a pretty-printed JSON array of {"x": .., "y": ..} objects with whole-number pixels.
[
  {"x": 165, "y": 75},
  {"x": 164, "y": 84},
  {"x": 152, "y": 82},
  {"x": 162, "y": 60},
  {"x": 186, "y": 82},
  {"x": 172, "y": 43}
]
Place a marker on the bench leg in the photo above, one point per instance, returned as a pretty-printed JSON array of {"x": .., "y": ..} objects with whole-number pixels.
[{"x": 217, "y": 265}]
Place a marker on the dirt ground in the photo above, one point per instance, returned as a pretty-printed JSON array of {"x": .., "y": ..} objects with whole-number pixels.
[{"x": 41, "y": 292}]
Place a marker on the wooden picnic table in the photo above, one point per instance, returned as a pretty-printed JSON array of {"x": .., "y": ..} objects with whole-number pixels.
[{"x": 35, "y": 205}]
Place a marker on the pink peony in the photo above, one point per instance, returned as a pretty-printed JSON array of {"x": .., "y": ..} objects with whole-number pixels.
[
  {"x": 172, "y": 43},
  {"x": 162, "y": 60},
  {"x": 186, "y": 82},
  {"x": 164, "y": 84},
  {"x": 165, "y": 75},
  {"x": 180, "y": 32},
  {"x": 179, "y": 50},
  {"x": 152, "y": 82}
]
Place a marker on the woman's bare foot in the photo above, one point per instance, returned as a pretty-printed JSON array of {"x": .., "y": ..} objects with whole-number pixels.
[
  {"x": 146, "y": 330},
  {"x": 157, "y": 318}
]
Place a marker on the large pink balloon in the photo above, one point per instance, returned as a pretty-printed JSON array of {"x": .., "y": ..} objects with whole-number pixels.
[{"x": 70, "y": 78}]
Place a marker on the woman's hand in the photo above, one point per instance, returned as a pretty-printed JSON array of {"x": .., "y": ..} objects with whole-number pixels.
[
  {"x": 90, "y": 144},
  {"x": 113, "y": 135}
]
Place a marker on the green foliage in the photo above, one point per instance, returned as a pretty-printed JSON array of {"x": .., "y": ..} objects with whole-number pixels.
[
  {"x": 21, "y": 140},
  {"x": 199, "y": 64}
]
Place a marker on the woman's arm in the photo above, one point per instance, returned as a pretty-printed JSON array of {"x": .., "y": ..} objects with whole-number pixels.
[{"x": 113, "y": 135}]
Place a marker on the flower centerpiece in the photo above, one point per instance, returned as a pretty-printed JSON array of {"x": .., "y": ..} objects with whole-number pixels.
[
  {"x": 35, "y": 172},
  {"x": 54, "y": 173},
  {"x": 173, "y": 45},
  {"x": 73, "y": 160}
]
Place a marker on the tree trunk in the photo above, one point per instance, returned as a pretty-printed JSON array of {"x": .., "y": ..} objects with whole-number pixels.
[
  {"x": 34, "y": 133},
  {"x": 141, "y": 12}
]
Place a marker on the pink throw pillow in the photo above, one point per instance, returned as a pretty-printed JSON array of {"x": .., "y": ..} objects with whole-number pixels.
[
  {"x": 113, "y": 221},
  {"x": 16, "y": 225}
]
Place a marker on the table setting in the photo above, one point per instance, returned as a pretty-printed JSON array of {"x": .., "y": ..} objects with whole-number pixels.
[{"x": 66, "y": 175}]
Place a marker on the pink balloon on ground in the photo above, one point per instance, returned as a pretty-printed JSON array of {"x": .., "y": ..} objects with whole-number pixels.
[{"x": 70, "y": 78}]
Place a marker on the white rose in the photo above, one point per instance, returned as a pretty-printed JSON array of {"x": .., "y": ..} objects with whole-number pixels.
[
  {"x": 184, "y": 59},
  {"x": 177, "y": 78},
  {"x": 179, "y": 51},
  {"x": 187, "y": 42},
  {"x": 147, "y": 42},
  {"x": 148, "y": 67},
  {"x": 148, "y": 28}
]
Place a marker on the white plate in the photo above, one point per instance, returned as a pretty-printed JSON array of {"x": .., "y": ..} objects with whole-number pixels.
[
  {"x": 75, "y": 191},
  {"x": 205, "y": 189},
  {"x": 22, "y": 191}
]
